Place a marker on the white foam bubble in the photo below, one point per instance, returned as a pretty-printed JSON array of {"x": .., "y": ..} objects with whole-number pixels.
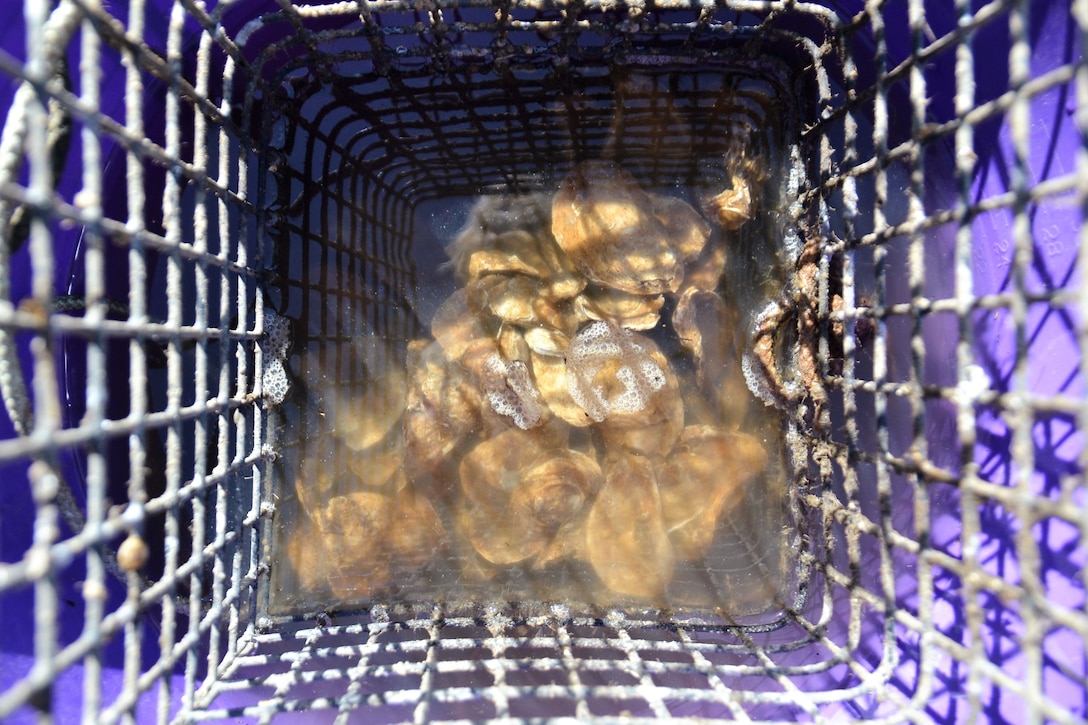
[
  {"x": 510, "y": 390},
  {"x": 600, "y": 344}
]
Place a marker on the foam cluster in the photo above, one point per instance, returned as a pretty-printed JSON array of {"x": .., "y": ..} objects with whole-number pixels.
[
  {"x": 510, "y": 390},
  {"x": 275, "y": 381},
  {"x": 599, "y": 357}
]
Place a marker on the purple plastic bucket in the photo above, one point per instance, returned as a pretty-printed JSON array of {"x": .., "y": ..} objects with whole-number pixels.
[{"x": 1049, "y": 366}]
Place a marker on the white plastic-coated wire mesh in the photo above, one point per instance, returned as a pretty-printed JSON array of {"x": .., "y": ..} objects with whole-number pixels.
[{"x": 182, "y": 182}]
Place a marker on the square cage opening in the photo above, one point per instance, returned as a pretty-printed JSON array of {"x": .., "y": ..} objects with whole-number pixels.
[
  {"x": 384, "y": 162},
  {"x": 254, "y": 187}
]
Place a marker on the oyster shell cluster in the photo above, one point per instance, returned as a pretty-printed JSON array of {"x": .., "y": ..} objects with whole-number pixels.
[{"x": 578, "y": 404}]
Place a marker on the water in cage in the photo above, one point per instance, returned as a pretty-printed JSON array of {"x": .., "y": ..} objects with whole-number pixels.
[{"x": 576, "y": 424}]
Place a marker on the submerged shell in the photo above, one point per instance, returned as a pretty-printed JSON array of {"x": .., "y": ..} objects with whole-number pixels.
[
  {"x": 708, "y": 327},
  {"x": 520, "y": 301},
  {"x": 555, "y": 489},
  {"x": 546, "y": 341},
  {"x": 510, "y": 390},
  {"x": 306, "y": 554},
  {"x": 511, "y": 298},
  {"x": 567, "y": 544},
  {"x": 354, "y": 529},
  {"x": 495, "y": 467},
  {"x": 497, "y": 536},
  {"x": 512, "y": 344},
  {"x": 686, "y": 228},
  {"x": 732, "y": 208},
  {"x": 705, "y": 271},
  {"x": 359, "y": 415},
  {"x": 511, "y": 234},
  {"x": 462, "y": 320},
  {"x": 443, "y": 408},
  {"x": 705, "y": 476},
  {"x": 633, "y": 312},
  {"x": 654, "y": 429},
  {"x": 550, "y": 373},
  {"x": 626, "y": 539},
  {"x": 416, "y": 533},
  {"x": 514, "y": 252},
  {"x": 378, "y": 469},
  {"x": 604, "y": 222},
  {"x": 495, "y": 237}
]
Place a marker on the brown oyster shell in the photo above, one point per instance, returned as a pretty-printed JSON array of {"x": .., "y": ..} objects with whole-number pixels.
[
  {"x": 510, "y": 234},
  {"x": 732, "y": 208},
  {"x": 623, "y": 382},
  {"x": 554, "y": 490},
  {"x": 550, "y": 373},
  {"x": 514, "y": 252},
  {"x": 415, "y": 533},
  {"x": 707, "y": 326},
  {"x": 705, "y": 475},
  {"x": 567, "y": 544},
  {"x": 686, "y": 228},
  {"x": 654, "y": 430},
  {"x": 626, "y": 540},
  {"x": 354, "y": 529},
  {"x": 360, "y": 415},
  {"x": 464, "y": 319},
  {"x": 604, "y": 222},
  {"x": 498, "y": 536},
  {"x": 378, "y": 469},
  {"x": 511, "y": 298},
  {"x": 705, "y": 271},
  {"x": 497, "y": 236},
  {"x": 495, "y": 467},
  {"x": 443, "y": 408},
  {"x": 633, "y": 312},
  {"x": 546, "y": 341}
]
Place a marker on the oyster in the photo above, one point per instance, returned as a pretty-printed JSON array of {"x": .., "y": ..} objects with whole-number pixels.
[
  {"x": 517, "y": 301},
  {"x": 706, "y": 326},
  {"x": 605, "y": 224},
  {"x": 732, "y": 208},
  {"x": 415, "y": 533},
  {"x": 550, "y": 373},
  {"x": 509, "y": 389},
  {"x": 705, "y": 474},
  {"x": 496, "y": 230},
  {"x": 555, "y": 488},
  {"x": 511, "y": 298},
  {"x": 626, "y": 540},
  {"x": 493, "y": 469},
  {"x": 568, "y": 543},
  {"x": 623, "y": 309},
  {"x": 379, "y": 469},
  {"x": 685, "y": 227},
  {"x": 653, "y": 429},
  {"x": 306, "y": 553},
  {"x": 705, "y": 271},
  {"x": 354, "y": 530},
  {"x": 443, "y": 408},
  {"x": 499, "y": 537},
  {"x": 365, "y": 538},
  {"x": 513, "y": 252},
  {"x": 462, "y": 320},
  {"x": 360, "y": 415},
  {"x": 511, "y": 235},
  {"x": 512, "y": 344},
  {"x": 546, "y": 341}
]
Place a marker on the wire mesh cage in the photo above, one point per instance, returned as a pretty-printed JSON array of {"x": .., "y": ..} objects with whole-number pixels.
[{"x": 195, "y": 196}]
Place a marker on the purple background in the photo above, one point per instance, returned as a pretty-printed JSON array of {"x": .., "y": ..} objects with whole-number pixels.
[{"x": 1053, "y": 367}]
